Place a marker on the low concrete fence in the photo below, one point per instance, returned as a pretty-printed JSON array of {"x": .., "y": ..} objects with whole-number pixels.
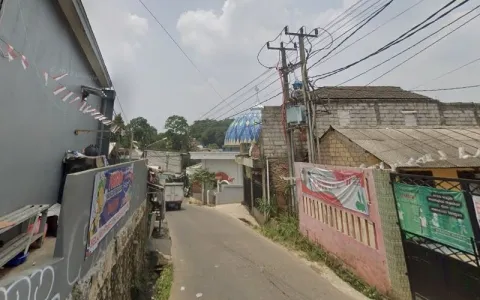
[
  {"x": 340, "y": 209},
  {"x": 111, "y": 269},
  {"x": 230, "y": 194}
]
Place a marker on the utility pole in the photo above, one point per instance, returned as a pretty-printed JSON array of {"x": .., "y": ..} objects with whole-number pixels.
[
  {"x": 131, "y": 144},
  {"x": 286, "y": 96},
  {"x": 305, "y": 87}
]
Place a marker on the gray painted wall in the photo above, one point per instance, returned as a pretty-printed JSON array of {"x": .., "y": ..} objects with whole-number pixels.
[
  {"x": 230, "y": 194},
  {"x": 55, "y": 279},
  {"x": 36, "y": 127}
]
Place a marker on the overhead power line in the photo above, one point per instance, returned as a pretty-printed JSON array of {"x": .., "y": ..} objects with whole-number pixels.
[
  {"x": 337, "y": 19},
  {"x": 449, "y": 88},
  {"x": 410, "y": 47},
  {"x": 261, "y": 102},
  {"x": 430, "y": 45},
  {"x": 181, "y": 49},
  {"x": 450, "y": 72},
  {"x": 370, "y": 32},
  {"x": 412, "y": 31},
  {"x": 323, "y": 31},
  {"x": 236, "y": 92}
]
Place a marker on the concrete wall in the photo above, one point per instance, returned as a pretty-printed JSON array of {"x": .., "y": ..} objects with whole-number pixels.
[
  {"x": 367, "y": 112},
  {"x": 229, "y": 167},
  {"x": 397, "y": 267},
  {"x": 272, "y": 138},
  {"x": 337, "y": 150},
  {"x": 111, "y": 269},
  {"x": 373, "y": 112},
  {"x": 358, "y": 243},
  {"x": 37, "y": 127},
  {"x": 230, "y": 194}
]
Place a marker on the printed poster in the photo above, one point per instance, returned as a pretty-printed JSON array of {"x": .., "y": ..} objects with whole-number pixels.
[
  {"x": 476, "y": 204},
  {"x": 111, "y": 200},
  {"x": 437, "y": 214},
  {"x": 341, "y": 188}
]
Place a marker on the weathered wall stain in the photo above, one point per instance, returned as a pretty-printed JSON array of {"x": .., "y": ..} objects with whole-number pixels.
[{"x": 55, "y": 280}]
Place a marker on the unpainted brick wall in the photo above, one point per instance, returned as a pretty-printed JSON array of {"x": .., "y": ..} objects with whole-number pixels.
[
  {"x": 397, "y": 267},
  {"x": 365, "y": 112},
  {"x": 273, "y": 140},
  {"x": 371, "y": 112},
  {"x": 337, "y": 150}
]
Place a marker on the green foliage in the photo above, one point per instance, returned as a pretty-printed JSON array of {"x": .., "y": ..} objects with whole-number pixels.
[
  {"x": 122, "y": 141},
  {"x": 143, "y": 132},
  {"x": 164, "y": 284},
  {"x": 270, "y": 209},
  {"x": 177, "y": 136},
  {"x": 284, "y": 229},
  {"x": 178, "y": 133},
  {"x": 209, "y": 131},
  {"x": 205, "y": 177}
]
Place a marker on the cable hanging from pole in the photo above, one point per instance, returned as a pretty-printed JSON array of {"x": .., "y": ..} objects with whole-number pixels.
[{"x": 412, "y": 31}]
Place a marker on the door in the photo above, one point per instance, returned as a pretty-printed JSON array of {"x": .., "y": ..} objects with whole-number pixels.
[{"x": 178, "y": 193}]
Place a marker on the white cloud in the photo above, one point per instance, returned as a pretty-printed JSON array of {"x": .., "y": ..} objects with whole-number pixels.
[
  {"x": 137, "y": 24},
  {"x": 121, "y": 35}
]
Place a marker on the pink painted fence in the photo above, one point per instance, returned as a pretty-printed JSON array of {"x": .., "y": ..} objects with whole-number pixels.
[{"x": 338, "y": 210}]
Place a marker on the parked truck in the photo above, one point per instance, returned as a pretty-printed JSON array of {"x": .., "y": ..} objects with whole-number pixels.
[{"x": 174, "y": 194}]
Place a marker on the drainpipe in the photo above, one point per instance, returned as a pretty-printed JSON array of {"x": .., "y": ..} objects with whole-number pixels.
[{"x": 268, "y": 182}]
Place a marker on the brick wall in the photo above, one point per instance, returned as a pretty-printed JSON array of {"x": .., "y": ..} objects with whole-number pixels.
[
  {"x": 337, "y": 150},
  {"x": 392, "y": 112},
  {"x": 367, "y": 112},
  {"x": 397, "y": 268},
  {"x": 273, "y": 140}
]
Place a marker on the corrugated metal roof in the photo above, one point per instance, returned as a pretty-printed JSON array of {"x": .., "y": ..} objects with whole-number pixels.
[
  {"x": 367, "y": 92},
  {"x": 401, "y": 145}
]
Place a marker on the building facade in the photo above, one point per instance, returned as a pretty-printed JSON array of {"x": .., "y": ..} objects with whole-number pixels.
[{"x": 42, "y": 42}]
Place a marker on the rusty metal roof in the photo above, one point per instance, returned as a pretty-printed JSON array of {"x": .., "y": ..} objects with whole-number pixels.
[
  {"x": 419, "y": 147},
  {"x": 367, "y": 92}
]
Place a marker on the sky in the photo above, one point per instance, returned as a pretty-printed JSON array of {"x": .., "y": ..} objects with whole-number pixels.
[{"x": 155, "y": 80}]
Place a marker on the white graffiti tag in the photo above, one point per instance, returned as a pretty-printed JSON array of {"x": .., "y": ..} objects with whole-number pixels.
[{"x": 36, "y": 287}]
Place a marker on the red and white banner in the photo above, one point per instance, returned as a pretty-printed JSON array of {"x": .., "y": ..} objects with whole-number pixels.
[
  {"x": 341, "y": 188},
  {"x": 61, "y": 91}
]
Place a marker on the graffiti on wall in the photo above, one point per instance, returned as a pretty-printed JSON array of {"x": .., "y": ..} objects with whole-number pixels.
[
  {"x": 43, "y": 283},
  {"x": 69, "y": 266},
  {"x": 39, "y": 285},
  {"x": 341, "y": 188}
]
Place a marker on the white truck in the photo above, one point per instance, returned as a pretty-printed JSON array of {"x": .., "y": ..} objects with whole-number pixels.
[{"x": 174, "y": 194}]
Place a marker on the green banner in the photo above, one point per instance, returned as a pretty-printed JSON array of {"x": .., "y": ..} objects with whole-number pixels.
[{"x": 437, "y": 214}]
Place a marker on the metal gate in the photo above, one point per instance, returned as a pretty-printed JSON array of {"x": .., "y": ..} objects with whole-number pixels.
[
  {"x": 247, "y": 192},
  {"x": 257, "y": 186},
  {"x": 440, "y": 269},
  {"x": 252, "y": 187}
]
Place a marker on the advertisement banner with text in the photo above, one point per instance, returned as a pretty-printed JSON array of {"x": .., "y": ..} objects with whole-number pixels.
[
  {"x": 437, "y": 214},
  {"x": 111, "y": 198}
]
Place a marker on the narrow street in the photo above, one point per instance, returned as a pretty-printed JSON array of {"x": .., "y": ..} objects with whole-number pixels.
[{"x": 218, "y": 257}]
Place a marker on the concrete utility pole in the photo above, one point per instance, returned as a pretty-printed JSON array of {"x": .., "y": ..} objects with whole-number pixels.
[
  {"x": 131, "y": 145},
  {"x": 306, "y": 94},
  {"x": 286, "y": 94}
]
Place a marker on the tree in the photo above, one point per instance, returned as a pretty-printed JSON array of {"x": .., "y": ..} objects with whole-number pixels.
[
  {"x": 210, "y": 131},
  {"x": 204, "y": 176},
  {"x": 143, "y": 132},
  {"x": 117, "y": 137},
  {"x": 178, "y": 133}
]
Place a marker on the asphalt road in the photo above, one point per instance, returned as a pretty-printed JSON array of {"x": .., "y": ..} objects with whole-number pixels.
[{"x": 218, "y": 257}]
